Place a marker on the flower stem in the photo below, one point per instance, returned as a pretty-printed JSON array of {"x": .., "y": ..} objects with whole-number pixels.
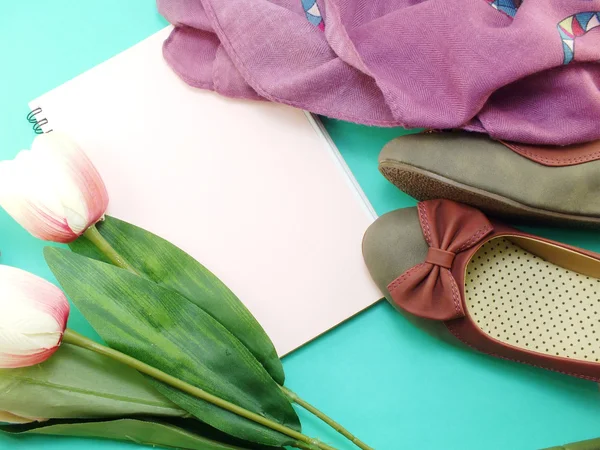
[
  {"x": 328, "y": 420},
  {"x": 304, "y": 446},
  {"x": 93, "y": 235},
  {"x": 74, "y": 338}
]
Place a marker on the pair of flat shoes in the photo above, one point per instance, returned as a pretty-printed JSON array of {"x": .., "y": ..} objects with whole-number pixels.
[{"x": 499, "y": 290}]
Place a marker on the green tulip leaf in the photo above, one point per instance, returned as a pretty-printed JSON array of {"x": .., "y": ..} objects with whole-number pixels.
[
  {"x": 78, "y": 383},
  {"x": 145, "y": 431},
  {"x": 169, "y": 266},
  {"x": 159, "y": 327}
]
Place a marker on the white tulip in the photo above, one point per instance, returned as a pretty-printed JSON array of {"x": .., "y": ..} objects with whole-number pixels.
[
  {"x": 53, "y": 190},
  {"x": 33, "y": 320}
]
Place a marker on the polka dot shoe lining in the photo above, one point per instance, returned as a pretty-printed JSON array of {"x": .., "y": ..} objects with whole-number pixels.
[{"x": 527, "y": 302}]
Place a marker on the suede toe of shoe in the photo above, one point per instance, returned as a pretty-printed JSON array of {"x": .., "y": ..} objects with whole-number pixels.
[{"x": 393, "y": 244}]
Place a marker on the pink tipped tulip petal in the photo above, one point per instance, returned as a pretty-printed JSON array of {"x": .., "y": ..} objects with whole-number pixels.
[
  {"x": 53, "y": 190},
  {"x": 33, "y": 320}
]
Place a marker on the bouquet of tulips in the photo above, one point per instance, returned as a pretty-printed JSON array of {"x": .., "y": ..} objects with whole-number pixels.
[{"x": 184, "y": 363}]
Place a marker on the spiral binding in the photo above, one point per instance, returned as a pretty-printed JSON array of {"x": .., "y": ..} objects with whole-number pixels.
[{"x": 37, "y": 123}]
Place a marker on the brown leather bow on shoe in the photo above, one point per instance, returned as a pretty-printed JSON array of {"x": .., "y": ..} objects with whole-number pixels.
[{"x": 429, "y": 289}]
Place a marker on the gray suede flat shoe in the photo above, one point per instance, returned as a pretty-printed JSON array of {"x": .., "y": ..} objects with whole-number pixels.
[{"x": 548, "y": 185}]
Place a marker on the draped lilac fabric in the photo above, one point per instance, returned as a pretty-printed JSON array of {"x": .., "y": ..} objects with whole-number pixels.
[{"x": 520, "y": 70}]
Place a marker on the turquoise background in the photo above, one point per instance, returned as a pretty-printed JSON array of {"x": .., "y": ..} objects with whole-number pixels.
[{"x": 388, "y": 381}]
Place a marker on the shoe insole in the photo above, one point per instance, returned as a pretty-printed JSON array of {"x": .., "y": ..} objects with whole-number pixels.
[{"x": 527, "y": 302}]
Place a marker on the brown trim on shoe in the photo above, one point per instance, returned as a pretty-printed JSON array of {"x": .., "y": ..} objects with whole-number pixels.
[
  {"x": 466, "y": 332},
  {"x": 555, "y": 156},
  {"x": 547, "y": 155}
]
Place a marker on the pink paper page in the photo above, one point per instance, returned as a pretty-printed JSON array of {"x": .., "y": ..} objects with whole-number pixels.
[{"x": 251, "y": 190}]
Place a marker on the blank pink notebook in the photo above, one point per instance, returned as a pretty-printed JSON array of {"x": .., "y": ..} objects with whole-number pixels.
[{"x": 254, "y": 191}]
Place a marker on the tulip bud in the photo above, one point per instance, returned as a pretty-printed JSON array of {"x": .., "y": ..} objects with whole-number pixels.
[
  {"x": 53, "y": 190},
  {"x": 33, "y": 319}
]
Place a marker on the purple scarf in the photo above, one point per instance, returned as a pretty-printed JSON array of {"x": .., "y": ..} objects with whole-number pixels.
[{"x": 519, "y": 70}]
